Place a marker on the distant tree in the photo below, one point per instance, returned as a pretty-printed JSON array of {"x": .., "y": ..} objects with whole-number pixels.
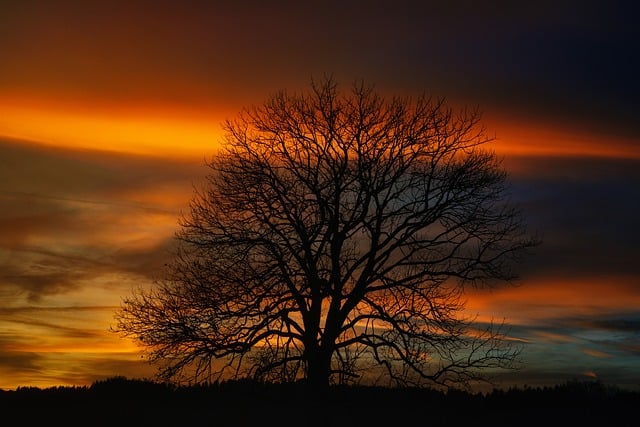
[{"x": 334, "y": 238}]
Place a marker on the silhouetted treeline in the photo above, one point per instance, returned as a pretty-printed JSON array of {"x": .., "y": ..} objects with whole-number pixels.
[{"x": 121, "y": 401}]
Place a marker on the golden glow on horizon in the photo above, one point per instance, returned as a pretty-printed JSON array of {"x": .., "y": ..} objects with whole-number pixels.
[
  {"x": 76, "y": 369},
  {"x": 76, "y": 349}
]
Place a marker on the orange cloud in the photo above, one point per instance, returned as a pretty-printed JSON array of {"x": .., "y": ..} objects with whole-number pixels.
[
  {"x": 158, "y": 131},
  {"x": 553, "y": 337},
  {"x": 520, "y": 137},
  {"x": 552, "y": 297},
  {"x": 163, "y": 129},
  {"x": 596, "y": 353}
]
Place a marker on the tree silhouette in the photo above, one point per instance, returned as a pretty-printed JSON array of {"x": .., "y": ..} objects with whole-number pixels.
[{"x": 334, "y": 240}]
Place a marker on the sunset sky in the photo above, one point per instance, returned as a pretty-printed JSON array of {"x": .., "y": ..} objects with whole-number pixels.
[{"x": 109, "y": 109}]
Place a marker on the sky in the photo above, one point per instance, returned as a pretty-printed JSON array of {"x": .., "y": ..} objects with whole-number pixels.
[{"x": 108, "y": 111}]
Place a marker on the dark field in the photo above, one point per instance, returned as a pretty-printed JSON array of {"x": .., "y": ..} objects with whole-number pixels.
[{"x": 123, "y": 402}]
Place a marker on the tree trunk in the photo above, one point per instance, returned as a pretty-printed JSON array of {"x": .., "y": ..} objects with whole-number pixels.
[{"x": 318, "y": 370}]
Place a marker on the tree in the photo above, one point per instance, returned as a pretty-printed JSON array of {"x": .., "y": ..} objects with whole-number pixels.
[{"x": 335, "y": 237}]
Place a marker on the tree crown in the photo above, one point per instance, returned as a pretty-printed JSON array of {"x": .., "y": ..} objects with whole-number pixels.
[{"x": 337, "y": 232}]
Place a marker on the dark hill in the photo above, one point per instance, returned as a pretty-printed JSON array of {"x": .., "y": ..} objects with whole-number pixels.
[{"x": 122, "y": 402}]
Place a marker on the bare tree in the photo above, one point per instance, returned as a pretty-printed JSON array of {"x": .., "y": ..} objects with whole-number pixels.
[{"x": 334, "y": 238}]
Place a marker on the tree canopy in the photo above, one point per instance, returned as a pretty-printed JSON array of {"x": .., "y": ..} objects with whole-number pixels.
[{"x": 332, "y": 242}]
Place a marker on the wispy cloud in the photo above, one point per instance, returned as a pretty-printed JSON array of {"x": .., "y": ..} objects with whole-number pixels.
[
  {"x": 597, "y": 353},
  {"x": 84, "y": 214}
]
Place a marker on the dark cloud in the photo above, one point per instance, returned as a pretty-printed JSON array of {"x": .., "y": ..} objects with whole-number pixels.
[
  {"x": 89, "y": 175},
  {"x": 21, "y": 361},
  {"x": 148, "y": 262},
  {"x": 586, "y": 211},
  {"x": 608, "y": 320},
  {"x": 55, "y": 328},
  {"x": 35, "y": 281},
  {"x": 565, "y": 61},
  {"x": 620, "y": 322}
]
